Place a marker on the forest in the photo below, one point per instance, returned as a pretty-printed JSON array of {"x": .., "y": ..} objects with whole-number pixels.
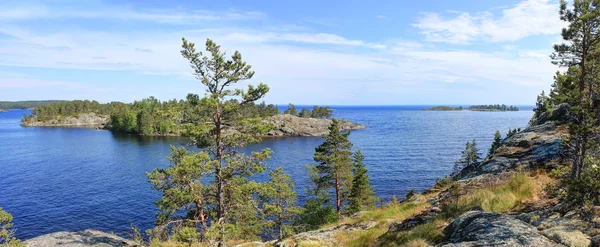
[
  {"x": 22, "y": 105},
  {"x": 151, "y": 116},
  {"x": 496, "y": 107}
]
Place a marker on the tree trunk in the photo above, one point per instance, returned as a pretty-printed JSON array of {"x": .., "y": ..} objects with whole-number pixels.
[
  {"x": 219, "y": 179},
  {"x": 338, "y": 200}
]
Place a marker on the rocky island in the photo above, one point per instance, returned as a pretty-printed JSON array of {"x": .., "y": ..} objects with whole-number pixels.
[{"x": 284, "y": 125}]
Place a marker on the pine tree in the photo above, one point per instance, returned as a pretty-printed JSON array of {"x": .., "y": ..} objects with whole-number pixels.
[
  {"x": 474, "y": 154},
  {"x": 362, "y": 195},
  {"x": 464, "y": 160},
  {"x": 580, "y": 54},
  {"x": 226, "y": 206},
  {"x": 318, "y": 210},
  {"x": 280, "y": 202},
  {"x": 335, "y": 164},
  {"x": 496, "y": 144},
  {"x": 291, "y": 110},
  {"x": 542, "y": 105},
  {"x": 304, "y": 113}
]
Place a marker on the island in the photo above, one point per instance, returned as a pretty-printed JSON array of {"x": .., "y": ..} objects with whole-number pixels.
[
  {"x": 150, "y": 117},
  {"x": 497, "y": 107},
  {"x": 444, "y": 108}
]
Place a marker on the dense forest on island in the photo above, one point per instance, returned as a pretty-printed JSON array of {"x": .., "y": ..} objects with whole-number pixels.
[
  {"x": 22, "y": 105},
  {"x": 444, "y": 108},
  {"x": 496, "y": 107},
  {"x": 151, "y": 116}
]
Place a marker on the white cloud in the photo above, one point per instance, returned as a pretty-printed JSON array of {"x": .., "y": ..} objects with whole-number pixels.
[
  {"x": 173, "y": 16},
  {"x": 528, "y": 18},
  {"x": 300, "y": 65}
]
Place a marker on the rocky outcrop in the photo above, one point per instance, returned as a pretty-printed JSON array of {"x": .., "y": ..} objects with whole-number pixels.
[
  {"x": 560, "y": 114},
  {"x": 86, "y": 238},
  {"x": 536, "y": 147},
  {"x": 290, "y": 125},
  {"x": 478, "y": 228},
  {"x": 81, "y": 120}
]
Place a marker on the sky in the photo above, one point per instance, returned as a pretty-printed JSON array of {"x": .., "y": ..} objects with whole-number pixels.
[{"x": 308, "y": 52}]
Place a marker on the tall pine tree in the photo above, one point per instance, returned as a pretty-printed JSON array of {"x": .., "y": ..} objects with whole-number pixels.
[{"x": 334, "y": 166}]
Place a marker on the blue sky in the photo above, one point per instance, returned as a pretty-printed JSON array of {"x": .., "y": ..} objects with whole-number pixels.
[{"x": 308, "y": 52}]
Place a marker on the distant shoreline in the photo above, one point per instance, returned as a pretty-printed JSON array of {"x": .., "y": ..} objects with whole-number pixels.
[{"x": 487, "y": 108}]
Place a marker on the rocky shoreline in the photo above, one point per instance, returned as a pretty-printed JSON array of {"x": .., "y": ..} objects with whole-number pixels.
[{"x": 285, "y": 125}]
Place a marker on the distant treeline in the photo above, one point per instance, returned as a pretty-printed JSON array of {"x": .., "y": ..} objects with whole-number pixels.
[
  {"x": 8, "y": 105},
  {"x": 496, "y": 107},
  {"x": 150, "y": 116},
  {"x": 474, "y": 108}
]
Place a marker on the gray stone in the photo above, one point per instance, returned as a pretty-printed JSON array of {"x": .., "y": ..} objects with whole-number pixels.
[
  {"x": 290, "y": 125},
  {"x": 478, "y": 228},
  {"x": 86, "y": 238},
  {"x": 568, "y": 236},
  {"x": 536, "y": 147}
]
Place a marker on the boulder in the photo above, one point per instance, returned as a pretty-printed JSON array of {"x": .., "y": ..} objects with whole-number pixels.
[
  {"x": 86, "y": 238},
  {"x": 290, "y": 125},
  {"x": 478, "y": 228}
]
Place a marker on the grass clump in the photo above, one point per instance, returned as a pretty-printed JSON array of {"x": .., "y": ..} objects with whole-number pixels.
[{"x": 393, "y": 210}]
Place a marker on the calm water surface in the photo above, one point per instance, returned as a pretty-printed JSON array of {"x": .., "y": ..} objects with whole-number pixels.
[{"x": 58, "y": 179}]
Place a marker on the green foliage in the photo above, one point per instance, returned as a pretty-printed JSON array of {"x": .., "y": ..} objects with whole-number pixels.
[
  {"x": 334, "y": 168},
  {"x": 280, "y": 203},
  {"x": 496, "y": 144},
  {"x": 230, "y": 206},
  {"x": 469, "y": 156},
  {"x": 22, "y": 105},
  {"x": 304, "y": 113},
  {"x": 444, "y": 108},
  {"x": 6, "y": 232},
  {"x": 362, "y": 196},
  {"x": 291, "y": 110},
  {"x": 321, "y": 112},
  {"x": 496, "y": 107},
  {"x": 542, "y": 105},
  {"x": 317, "y": 210}
]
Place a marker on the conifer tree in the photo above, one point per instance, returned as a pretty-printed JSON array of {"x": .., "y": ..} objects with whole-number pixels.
[
  {"x": 334, "y": 166},
  {"x": 579, "y": 53},
  {"x": 304, "y": 113},
  {"x": 475, "y": 154},
  {"x": 280, "y": 202},
  {"x": 291, "y": 110},
  {"x": 229, "y": 202},
  {"x": 469, "y": 156},
  {"x": 496, "y": 144},
  {"x": 362, "y": 195}
]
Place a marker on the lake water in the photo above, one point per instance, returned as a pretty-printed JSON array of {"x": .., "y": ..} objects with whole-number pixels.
[{"x": 58, "y": 179}]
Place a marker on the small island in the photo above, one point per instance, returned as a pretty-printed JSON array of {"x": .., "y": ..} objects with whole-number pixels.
[
  {"x": 444, "y": 108},
  {"x": 496, "y": 107}
]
